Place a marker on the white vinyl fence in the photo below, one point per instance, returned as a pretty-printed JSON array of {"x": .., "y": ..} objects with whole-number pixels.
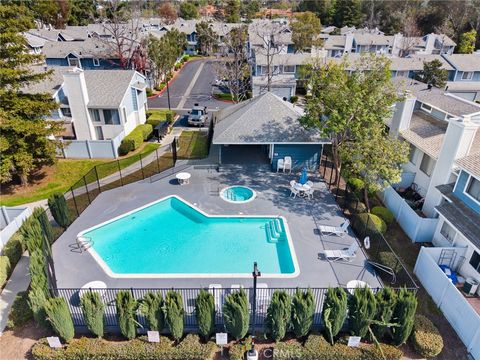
[
  {"x": 417, "y": 228},
  {"x": 91, "y": 149},
  {"x": 11, "y": 218},
  {"x": 459, "y": 313}
]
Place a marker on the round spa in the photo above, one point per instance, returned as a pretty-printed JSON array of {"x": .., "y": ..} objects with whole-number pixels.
[{"x": 238, "y": 194}]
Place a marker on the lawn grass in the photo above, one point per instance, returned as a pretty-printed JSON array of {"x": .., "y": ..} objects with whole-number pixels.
[
  {"x": 64, "y": 174},
  {"x": 223, "y": 96},
  {"x": 192, "y": 145}
]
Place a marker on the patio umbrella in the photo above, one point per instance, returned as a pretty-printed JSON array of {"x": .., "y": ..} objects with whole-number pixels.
[{"x": 303, "y": 177}]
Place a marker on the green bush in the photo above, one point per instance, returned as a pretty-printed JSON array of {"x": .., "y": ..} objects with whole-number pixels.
[
  {"x": 160, "y": 86},
  {"x": 278, "y": 315},
  {"x": 93, "y": 310},
  {"x": 59, "y": 209},
  {"x": 236, "y": 315},
  {"x": 174, "y": 313},
  {"x": 389, "y": 259},
  {"x": 383, "y": 213},
  {"x": 192, "y": 348},
  {"x": 154, "y": 122},
  {"x": 426, "y": 338},
  {"x": 185, "y": 57},
  {"x": 126, "y": 308},
  {"x": 205, "y": 313},
  {"x": 238, "y": 350},
  {"x": 40, "y": 214},
  {"x": 404, "y": 316},
  {"x": 146, "y": 130},
  {"x": 20, "y": 313},
  {"x": 149, "y": 92},
  {"x": 4, "y": 270},
  {"x": 291, "y": 350},
  {"x": 151, "y": 306},
  {"x": 169, "y": 117},
  {"x": 303, "y": 310},
  {"x": 131, "y": 142},
  {"x": 334, "y": 312},
  {"x": 362, "y": 308},
  {"x": 32, "y": 234},
  {"x": 37, "y": 298},
  {"x": 59, "y": 317},
  {"x": 293, "y": 99},
  {"x": 14, "y": 249},
  {"x": 356, "y": 184},
  {"x": 177, "y": 66},
  {"x": 357, "y": 206},
  {"x": 371, "y": 222},
  {"x": 386, "y": 300}
]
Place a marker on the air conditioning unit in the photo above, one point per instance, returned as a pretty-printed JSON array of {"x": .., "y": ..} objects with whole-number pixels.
[{"x": 470, "y": 287}]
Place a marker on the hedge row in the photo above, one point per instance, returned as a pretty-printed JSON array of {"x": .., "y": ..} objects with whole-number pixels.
[
  {"x": 138, "y": 349},
  {"x": 4, "y": 270},
  {"x": 133, "y": 140},
  {"x": 12, "y": 252}
]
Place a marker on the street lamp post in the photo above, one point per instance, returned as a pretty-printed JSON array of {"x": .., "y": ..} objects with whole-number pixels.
[
  {"x": 168, "y": 94},
  {"x": 256, "y": 273}
]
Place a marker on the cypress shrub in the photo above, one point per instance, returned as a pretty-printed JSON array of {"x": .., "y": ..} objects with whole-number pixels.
[
  {"x": 93, "y": 310},
  {"x": 126, "y": 308},
  {"x": 386, "y": 299},
  {"x": 174, "y": 313},
  {"x": 205, "y": 313},
  {"x": 42, "y": 218},
  {"x": 14, "y": 248},
  {"x": 4, "y": 270},
  {"x": 404, "y": 316},
  {"x": 37, "y": 300},
  {"x": 151, "y": 306},
  {"x": 362, "y": 309},
  {"x": 334, "y": 312},
  {"x": 59, "y": 317},
  {"x": 32, "y": 233},
  {"x": 278, "y": 315},
  {"x": 303, "y": 310},
  {"x": 236, "y": 315},
  {"x": 59, "y": 209},
  {"x": 37, "y": 270},
  {"x": 39, "y": 293}
]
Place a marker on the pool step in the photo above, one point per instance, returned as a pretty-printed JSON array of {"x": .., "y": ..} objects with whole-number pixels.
[{"x": 274, "y": 231}]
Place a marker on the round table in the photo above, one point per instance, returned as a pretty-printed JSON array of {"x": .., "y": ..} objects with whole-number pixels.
[
  {"x": 96, "y": 286},
  {"x": 183, "y": 178},
  {"x": 354, "y": 284},
  {"x": 302, "y": 188}
]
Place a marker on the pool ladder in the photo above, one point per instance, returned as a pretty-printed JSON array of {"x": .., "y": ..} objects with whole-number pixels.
[
  {"x": 82, "y": 244},
  {"x": 274, "y": 231}
]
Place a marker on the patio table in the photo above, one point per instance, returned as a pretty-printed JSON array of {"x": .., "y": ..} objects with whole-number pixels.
[
  {"x": 302, "y": 188},
  {"x": 94, "y": 286},
  {"x": 354, "y": 284},
  {"x": 183, "y": 178}
]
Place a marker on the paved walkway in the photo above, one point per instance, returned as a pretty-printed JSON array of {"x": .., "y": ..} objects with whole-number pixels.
[{"x": 19, "y": 281}]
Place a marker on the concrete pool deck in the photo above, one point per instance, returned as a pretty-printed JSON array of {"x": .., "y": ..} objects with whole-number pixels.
[{"x": 73, "y": 270}]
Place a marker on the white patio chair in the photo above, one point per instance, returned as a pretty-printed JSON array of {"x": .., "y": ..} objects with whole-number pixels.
[
  {"x": 335, "y": 230},
  {"x": 294, "y": 192},
  {"x": 280, "y": 165},
  {"x": 309, "y": 183},
  {"x": 344, "y": 254},
  {"x": 287, "y": 164},
  {"x": 292, "y": 183},
  {"x": 309, "y": 193}
]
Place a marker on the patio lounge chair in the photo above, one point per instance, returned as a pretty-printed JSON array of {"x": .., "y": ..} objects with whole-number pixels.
[
  {"x": 280, "y": 165},
  {"x": 344, "y": 254},
  {"x": 335, "y": 230},
  {"x": 287, "y": 164}
]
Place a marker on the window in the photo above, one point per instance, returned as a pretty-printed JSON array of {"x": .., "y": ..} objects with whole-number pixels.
[
  {"x": 96, "y": 62},
  {"x": 99, "y": 132},
  {"x": 467, "y": 75},
  {"x": 402, "y": 73},
  {"x": 475, "y": 261},
  {"x": 289, "y": 69},
  {"x": 73, "y": 62},
  {"x": 413, "y": 152},
  {"x": 95, "y": 114},
  {"x": 111, "y": 117},
  {"x": 448, "y": 232},
  {"x": 427, "y": 165},
  {"x": 426, "y": 108},
  {"x": 66, "y": 112},
  {"x": 473, "y": 189},
  {"x": 134, "y": 98}
]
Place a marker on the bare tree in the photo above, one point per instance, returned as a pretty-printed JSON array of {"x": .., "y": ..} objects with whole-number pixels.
[{"x": 410, "y": 31}]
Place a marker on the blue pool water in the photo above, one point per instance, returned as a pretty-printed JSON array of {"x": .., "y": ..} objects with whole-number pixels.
[
  {"x": 171, "y": 237},
  {"x": 237, "y": 194}
]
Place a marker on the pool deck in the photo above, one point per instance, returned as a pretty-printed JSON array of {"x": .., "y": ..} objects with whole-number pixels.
[{"x": 73, "y": 270}]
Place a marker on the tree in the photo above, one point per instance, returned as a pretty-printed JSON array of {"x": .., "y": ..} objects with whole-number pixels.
[
  {"x": 40, "y": 214},
  {"x": 236, "y": 315},
  {"x": 386, "y": 299},
  {"x": 334, "y": 312},
  {"x": 167, "y": 13},
  {"x": 278, "y": 315},
  {"x": 305, "y": 30},
  {"x": 59, "y": 317},
  {"x": 347, "y": 13},
  {"x": 126, "y": 307},
  {"x": 174, "y": 313},
  {"x": 82, "y": 12},
  {"x": 51, "y": 12},
  {"x": 205, "y": 313},
  {"x": 59, "y": 209},
  {"x": 232, "y": 11},
  {"x": 362, "y": 309},
  {"x": 24, "y": 132},
  {"x": 206, "y": 38},
  {"x": 93, "y": 311},
  {"x": 188, "y": 10},
  {"x": 151, "y": 306},
  {"x": 467, "y": 42},
  {"x": 433, "y": 73},
  {"x": 374, "y": 157},
  {"x": 410, "y": 33},
  {"x": 404, "y": 316},
  {"x": 322, "y": 8},
  {"x": 344, "y": 103},
  {"x": 303, "y": 310},
  {"x": 249, "y": 9}
]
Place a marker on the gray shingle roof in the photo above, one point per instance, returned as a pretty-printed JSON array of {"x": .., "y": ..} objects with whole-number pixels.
[
  {"x": 464, "y": 62},
  {"x": 471, "y": 163},
  {"x": 262, "y": 120},
  {"x": 83, "y": 49},
  {"x": 415, "y": 62},
  {"x": 106, "y": 88},
  {"x": 49, "y": 85}
]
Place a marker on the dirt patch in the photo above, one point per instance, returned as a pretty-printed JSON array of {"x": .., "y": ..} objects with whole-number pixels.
[{"x": 17, "y": 344}]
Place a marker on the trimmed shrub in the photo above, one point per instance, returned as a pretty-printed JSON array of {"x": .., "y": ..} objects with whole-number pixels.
[
  {"x": 278, "y": 315},
  {"x": 169, "y": 117},
  {"x": 149, "y": 92},
  {"x": 59, "y": 209},
  {"x": 356, "y": 184},
  {"x": 146, "y": 130},
  {"x": 37, "y": 299},
  {"x": 362, "y": 309},
  {"x": 238, "y": 350},
  {"x": 4, "y": 270},
  {"x": 334, "y": 312},
  {"x": 93, "y": 310},
  {"x": 383, "y": 213},
  {"x": 291, "y": 350},
  {"x": 404, "y": 316},
  {"x": 388, "y": 258},
  {"x": 371, "y": 222},
  {"x": 40, "y": 214},
  {"x": 160, "y": 86},
  {"x": 32, "y": 234},
  {"x": 59, "y": 317},
  {"x": 154, "y": 122},
  {"x": 174, "y": 313},
  {"x": 178, "y": 66},
  {"x": 386, "y": 299},
  {"x": 20, "y": 313},
  {"x": 426, "y": 338},
  {"x": 14, "y": 248},
  {"x": 236, "y": 315},
  {"x": 205, "y": 313},
  {"x": 132, "y": 141},
  {"x": 191, "y": 348},
  {"x": 126, "y": 308},
  {"x": 357, "y": 206},
  {"x": 151, "y": 306},
  {"x": 37, "y": 270},
  {"x": 303, "y": 310},
  {"x": 293, "y": 99},
  {"x": 185, "y": 57}
]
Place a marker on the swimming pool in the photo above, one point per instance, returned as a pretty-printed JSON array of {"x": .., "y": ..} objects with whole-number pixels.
[
  {"x": 238, "y": 194},
  {"x": 171, "y": 238}
]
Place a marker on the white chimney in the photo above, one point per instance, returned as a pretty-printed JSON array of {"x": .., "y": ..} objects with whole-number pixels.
[
  {"x": 402, "y": 114},
  {"x": 430, "y": 43},
  {"x": 348, "y": 43}
]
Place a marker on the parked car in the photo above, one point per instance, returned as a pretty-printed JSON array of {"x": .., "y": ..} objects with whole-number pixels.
[{"x": 198, "y": 116}]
